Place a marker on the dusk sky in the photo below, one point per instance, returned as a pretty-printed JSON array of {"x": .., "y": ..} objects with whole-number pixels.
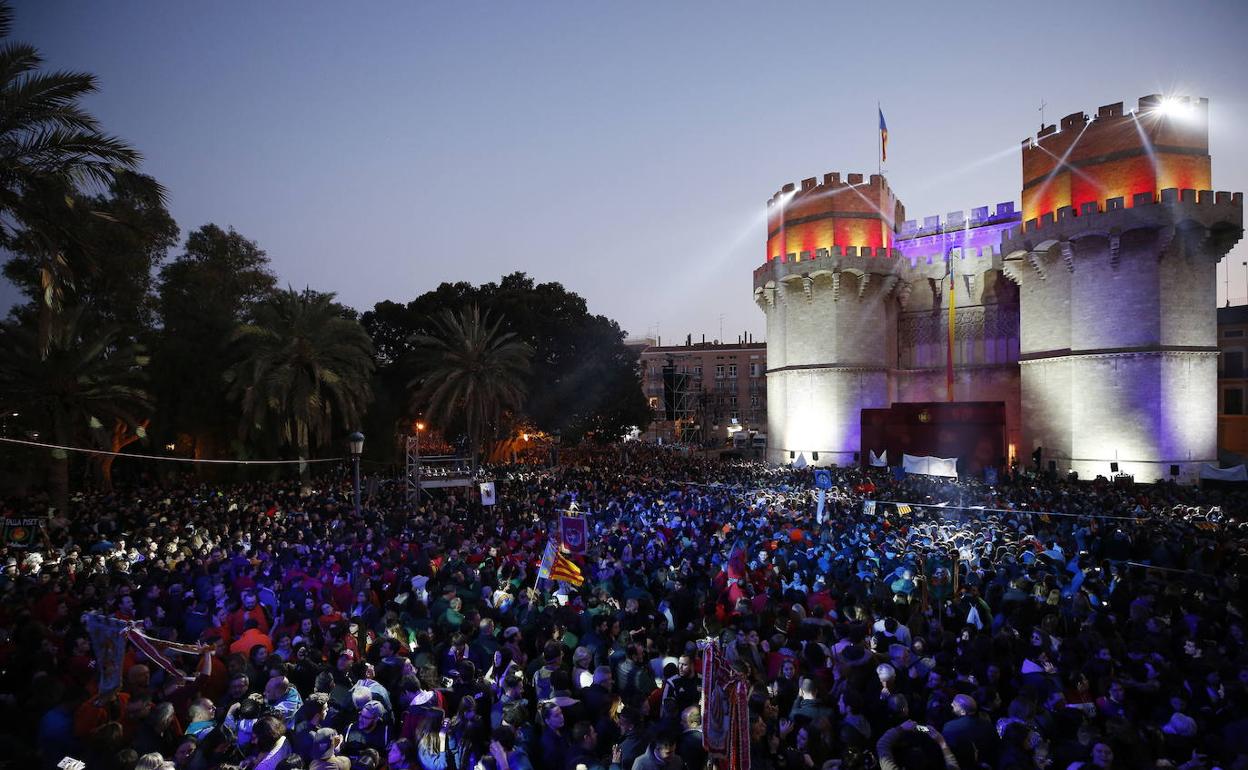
[{"x": 625, "y": 149}]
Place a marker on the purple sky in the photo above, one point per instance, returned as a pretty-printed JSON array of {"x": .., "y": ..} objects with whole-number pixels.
[{"x": 625, "y": 149}]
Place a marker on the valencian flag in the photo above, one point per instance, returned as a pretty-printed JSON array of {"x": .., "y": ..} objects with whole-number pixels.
[
  {"x": 883, "y": 136},
  {"x": 566, "y": 570},
  {"x": 573, "y": 534},
  {"x": 548, "y": 561}
]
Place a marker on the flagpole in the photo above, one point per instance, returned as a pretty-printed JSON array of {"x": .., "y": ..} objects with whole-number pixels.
[
  {"x": 879, "y": 142},
  {"x": 949, "y": 346}
]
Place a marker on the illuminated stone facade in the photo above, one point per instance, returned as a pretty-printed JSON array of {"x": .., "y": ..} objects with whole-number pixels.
[{"x": 1091, "y": 314}]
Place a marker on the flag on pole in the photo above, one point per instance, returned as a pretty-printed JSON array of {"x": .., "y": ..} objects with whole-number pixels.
[
  {"x": 821, "y": 497},
  {"x": 548, "y": 561},
  {"x": 566, "y": 570},
  {"x": 883, "y": 137}
]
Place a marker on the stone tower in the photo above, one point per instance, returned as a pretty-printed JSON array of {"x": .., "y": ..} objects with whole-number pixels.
[
  {"x": 1116, "y": 267},
  {"x": 828, "y": 292}
]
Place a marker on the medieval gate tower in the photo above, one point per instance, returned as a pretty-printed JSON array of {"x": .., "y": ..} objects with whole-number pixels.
[{"x": 1090, "y": 314}]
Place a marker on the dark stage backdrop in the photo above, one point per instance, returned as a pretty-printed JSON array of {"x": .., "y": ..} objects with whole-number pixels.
[{"x": 972, "y": 431}]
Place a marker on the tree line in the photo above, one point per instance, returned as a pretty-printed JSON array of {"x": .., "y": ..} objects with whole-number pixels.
[{"x": 133, "y": 339}]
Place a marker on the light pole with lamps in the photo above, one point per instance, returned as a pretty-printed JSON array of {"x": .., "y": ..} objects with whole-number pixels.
[{"x": 356, "y": 441}]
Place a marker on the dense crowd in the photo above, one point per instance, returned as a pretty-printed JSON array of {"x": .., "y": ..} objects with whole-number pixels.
[{"x": 1034, "y": 623}]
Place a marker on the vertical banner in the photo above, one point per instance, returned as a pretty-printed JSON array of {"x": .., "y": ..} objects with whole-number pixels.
[
  {"x": 487, "y": 492},
  {"x": 573, "y": 534},
  {"x": 725, "y": 710},
  {"x": 821, "y": 496},
  {"x": 109, "y": 643},
  {"x": 868, "y": 507},
  {"x": 715, "y": 716}
]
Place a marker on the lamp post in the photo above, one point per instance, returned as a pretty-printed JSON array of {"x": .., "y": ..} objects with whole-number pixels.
[{"x": 356, "y": 441}]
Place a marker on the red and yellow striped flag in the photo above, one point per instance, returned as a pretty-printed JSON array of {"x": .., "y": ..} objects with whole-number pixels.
[{"x": 566, "y": 570}]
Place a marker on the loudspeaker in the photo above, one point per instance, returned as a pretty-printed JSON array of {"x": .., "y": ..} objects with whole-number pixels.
[
  {"x": 1113, "y": 467},
  {"x": 669, "y": 393},
  {"x": 1052, "y": 466},
  {"x": 814, "y": 456},
  {"x": 792, "y": 454},
  {"x": 1174, "y": 470}
]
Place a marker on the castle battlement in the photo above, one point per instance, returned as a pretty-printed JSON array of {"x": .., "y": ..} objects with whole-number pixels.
[
  {"x": 1163, "y": 143},
  {"x": 833, "y": 181},
  {"x": 957, "y": 220},
  {"x": 1170, "y": 206},
  {"x": 1194, "y": 114}
]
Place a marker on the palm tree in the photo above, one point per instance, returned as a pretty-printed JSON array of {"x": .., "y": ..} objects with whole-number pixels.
[
  {"x": 303, "y": 369},
  {"x": 471, "y": 369},
  {"x": 86, "y": 381},
  {"x": 50, "y": 149}
]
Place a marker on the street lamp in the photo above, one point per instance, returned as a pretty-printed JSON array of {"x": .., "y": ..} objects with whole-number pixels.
[{"x": 356, "y": 441}]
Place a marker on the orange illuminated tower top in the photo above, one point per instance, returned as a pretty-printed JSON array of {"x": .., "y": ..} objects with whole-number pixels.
[
  {"x": 1163, "y": 144},
  {"x": 803, "y": 222}
]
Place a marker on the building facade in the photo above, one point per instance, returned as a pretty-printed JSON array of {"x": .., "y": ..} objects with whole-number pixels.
[
  {"x": 1089, "y": 314},
  {"x": 700, "y": 392},
  {"x": 1232, "y": 380}
]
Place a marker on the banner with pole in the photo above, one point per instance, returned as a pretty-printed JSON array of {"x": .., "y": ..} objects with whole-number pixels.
[
  {"x": 725, "y": 709},
  {"x": 109, "y": 644},
  {"x": 573, "y": 534}
]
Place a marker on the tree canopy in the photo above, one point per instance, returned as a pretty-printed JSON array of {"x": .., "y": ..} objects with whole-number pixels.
[{"x": 583, "y": 379}]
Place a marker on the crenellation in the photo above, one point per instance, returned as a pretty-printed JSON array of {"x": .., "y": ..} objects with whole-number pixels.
[
  {"x": 1109, "y": 111},
  {"x": 1168, "y": 195},
  {"x": 979, "y": 214},
  {"x": 1074, "y": 120}
]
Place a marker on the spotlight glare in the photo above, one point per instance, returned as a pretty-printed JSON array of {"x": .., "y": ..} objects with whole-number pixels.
[{"x": 1174, "y": 107}]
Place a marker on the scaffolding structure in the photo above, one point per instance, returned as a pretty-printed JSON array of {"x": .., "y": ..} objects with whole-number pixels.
[{"x": 434, "y": 471}]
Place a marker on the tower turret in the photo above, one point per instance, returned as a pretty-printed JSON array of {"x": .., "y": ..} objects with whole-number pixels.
[
  {"x": 1116, "y": 268},
  {"x": 828, "y": 289}
]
